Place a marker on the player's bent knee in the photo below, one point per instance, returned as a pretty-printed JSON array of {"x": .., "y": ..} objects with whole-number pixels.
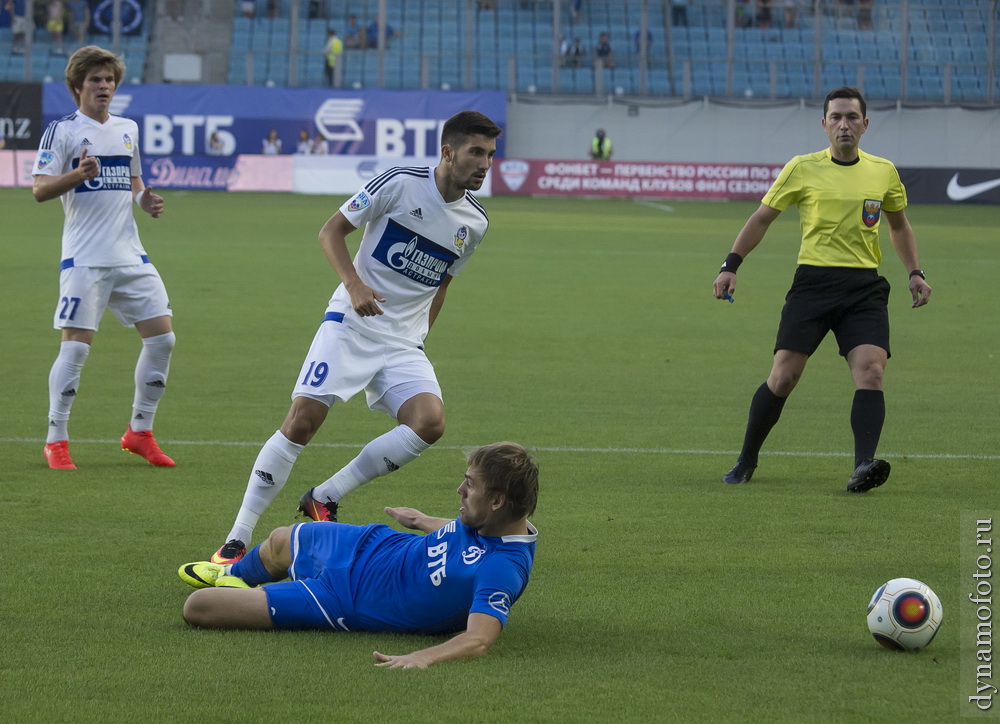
[
  {"x": 197, "y": 608},
  {"x": 276, "y": 551},
  {"x": 430, "y": 430},
  {"x": 304, "y": 420}
]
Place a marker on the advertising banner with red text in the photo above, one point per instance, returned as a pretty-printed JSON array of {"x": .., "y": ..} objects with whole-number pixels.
[{"x": 715, "y": 181}]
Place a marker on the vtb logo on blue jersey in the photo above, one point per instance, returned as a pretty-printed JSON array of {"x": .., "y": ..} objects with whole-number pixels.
[
  {"x": 116, "y": 175},
  {"x": 871, "y": 212},
  {"x": 412, "y": 255}
]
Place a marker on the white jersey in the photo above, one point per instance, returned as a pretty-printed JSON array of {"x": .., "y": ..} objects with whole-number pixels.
[
  {"x": 412, "y": 239},
  {"x": 99, "y": 230}
]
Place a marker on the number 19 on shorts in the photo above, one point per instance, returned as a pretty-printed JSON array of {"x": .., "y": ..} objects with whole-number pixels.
[{"x": 316, "y": 374}]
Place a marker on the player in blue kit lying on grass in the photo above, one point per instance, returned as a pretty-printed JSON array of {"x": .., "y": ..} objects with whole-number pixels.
[{"x": 462, "y": 576}]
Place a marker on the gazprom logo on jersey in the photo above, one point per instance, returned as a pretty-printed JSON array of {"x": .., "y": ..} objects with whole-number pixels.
[
  {"x": 412, "y": 255},
  {"x": 116, "y": 175}
]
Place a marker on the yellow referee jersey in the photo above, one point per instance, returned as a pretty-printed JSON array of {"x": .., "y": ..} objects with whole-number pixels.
[{"x": 840, "y": 206}]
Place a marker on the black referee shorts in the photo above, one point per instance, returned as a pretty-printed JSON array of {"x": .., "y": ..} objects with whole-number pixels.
[{"x": 854, "y": 303}]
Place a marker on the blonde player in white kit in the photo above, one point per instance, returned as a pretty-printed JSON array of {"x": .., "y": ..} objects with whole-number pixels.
[
  {"x": 421, "y": 227},
  {"x": 90, "y": 160}
]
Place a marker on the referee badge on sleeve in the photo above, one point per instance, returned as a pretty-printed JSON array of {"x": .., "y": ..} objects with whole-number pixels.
[{"x": 871, "y": 212}]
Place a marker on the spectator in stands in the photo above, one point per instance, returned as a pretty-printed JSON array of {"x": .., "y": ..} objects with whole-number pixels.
[
  {"x": 576, "y": 10},
  {"x": 272, "y": 144},
  {"x": 791, "y": 10},
  {"x": 315, "y": 9},
  {"x": 763, "y": 15},
  {"x": 56, "y": 24},
  {"x": 845, "y": 8},
  {"x": 320, "y": 147},
  {"x": 215, "y": 146},
  {"x": 678, "y": 13},
  {"x": 487, "y": 5},
  {"x": 572, "y": 53},
  {"x": 304, "y": 147},
  {"x": 331, "y": 54},
  {"x": 18, "y": 25},
  {"x": 743, "y": 14},
  {"x": 603, "y": 54},
  {"x": 865, "y": 14},
  {"x": 272, "y": 9},
  {"x": 248, "y": 8},
  {"x": 354, "y": 36},
  {"x": 372, "y": 32},
  {"x": 600, "y": 147},
  {"x": 79, "y": 19}
]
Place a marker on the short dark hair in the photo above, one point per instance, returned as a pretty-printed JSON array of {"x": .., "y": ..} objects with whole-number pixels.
[
  {"x": 84, "y": 60},
  {"x": 845, "y": 91},
  {"x": 508, "y": 469},
  {"x": 463, "y": 124}
]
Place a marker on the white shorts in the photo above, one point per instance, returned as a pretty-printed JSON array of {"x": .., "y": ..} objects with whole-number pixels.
[
  {"x": 341, "y": 363},
  {"x": 132, "y": 293}
]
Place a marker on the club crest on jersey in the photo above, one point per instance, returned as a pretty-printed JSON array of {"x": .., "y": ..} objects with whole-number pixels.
[
  {"x": 871, "y": 212},
  {"x": 44, "y": 159},
  {"x": 127, "y": 141},
  {"x": 360, "y": 201},
  {"x": 460, "y": 236},
  {"x": 472, "y": 554}
]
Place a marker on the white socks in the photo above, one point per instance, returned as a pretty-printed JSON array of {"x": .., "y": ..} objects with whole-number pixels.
[
  {"x": 274, "y": 463},
  {"x": 381, "y": 456},
  {"x": 150, "y": 379},
  {"x": 64, "y": 383},
  {"x": 270, "y": 472}
]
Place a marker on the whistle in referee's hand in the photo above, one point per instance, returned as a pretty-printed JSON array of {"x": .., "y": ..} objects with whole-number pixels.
[{"x": 728, "y": 297}]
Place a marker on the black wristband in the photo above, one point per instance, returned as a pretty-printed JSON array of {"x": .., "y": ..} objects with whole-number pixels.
[
  {"x": 732, "y": 262},
  {"x": 918, "y": 272}
]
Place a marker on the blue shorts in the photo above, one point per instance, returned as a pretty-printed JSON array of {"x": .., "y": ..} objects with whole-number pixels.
[{"x": 318, "y": 596}]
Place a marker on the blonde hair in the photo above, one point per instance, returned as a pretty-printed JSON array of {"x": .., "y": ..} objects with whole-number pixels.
[{"x": 84, "y": 60}]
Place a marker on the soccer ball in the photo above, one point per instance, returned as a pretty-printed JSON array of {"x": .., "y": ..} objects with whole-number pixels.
[{"x": 904, "y": 615}]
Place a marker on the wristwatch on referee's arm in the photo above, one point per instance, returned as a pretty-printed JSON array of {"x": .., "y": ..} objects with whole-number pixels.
[{"x": 918, "y": 272}]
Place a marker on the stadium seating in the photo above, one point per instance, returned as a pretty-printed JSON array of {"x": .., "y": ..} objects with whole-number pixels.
[{"x": 458, "y": 44}]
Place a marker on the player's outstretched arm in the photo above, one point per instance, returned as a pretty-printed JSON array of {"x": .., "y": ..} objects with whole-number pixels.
[
  {"x": 415, "y": 520},
  {"x": 333, "y": 241},
  {"x": 905, "y": 244},
  {"x": 746, "y": 241},
  {"x": 477, "y": 640}
]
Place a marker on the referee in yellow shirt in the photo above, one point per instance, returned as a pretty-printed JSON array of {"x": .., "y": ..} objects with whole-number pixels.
[{"x": 842, "y": 194}]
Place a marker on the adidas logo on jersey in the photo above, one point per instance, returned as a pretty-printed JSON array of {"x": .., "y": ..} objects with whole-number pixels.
[
  {"x": 86, "y": 142},
  {"x": 417, "y": 214},
  {"x": 265, "y": 476}
]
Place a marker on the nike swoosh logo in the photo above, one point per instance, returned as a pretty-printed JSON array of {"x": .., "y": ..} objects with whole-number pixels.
[
  {"x": 340, "y": 622},
  {"x": 957, "y": 192}
]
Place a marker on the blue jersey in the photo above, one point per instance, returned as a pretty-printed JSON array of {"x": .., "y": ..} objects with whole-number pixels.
[{"x": 373, "y": 578}]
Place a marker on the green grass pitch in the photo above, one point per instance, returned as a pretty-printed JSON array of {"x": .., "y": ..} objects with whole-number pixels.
[{"x": 584, "y": 329}]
